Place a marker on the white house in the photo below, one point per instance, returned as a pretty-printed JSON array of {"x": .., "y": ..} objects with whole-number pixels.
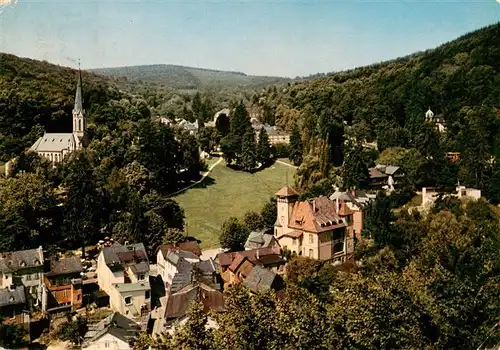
[
  {"x": 123, "y": 273},
  {"x": 112, "y": 333}
]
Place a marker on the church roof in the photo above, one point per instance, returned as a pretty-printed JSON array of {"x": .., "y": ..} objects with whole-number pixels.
[
  {"x": 54, "y": 142},
  {"x": 78, "y": 97}
]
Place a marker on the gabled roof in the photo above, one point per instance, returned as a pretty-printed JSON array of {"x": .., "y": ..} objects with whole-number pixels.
[
  {"x": 261, "y": 238},
  {"x": 178, "y": 303},
  {"x": 55, "y": 142},
  {"x": 12, "y": 297},
  {"x": 374, "y": 173},
  {"x": 174, "y": 256},
  {"x": 21, "y": 259},
  {"x": 262, "y": 280},
  {"x": 127, "y": 255},
  {"x": 269, "y": 254},
  {"x": 191, "y": 246},
  {"x": 242, "y": 265},
  {"x": 316, "y": 215},
  {"x": 115, "y": 324},
  {"x": 65, "y": 266},
  {"x": 286, "y": 192}
]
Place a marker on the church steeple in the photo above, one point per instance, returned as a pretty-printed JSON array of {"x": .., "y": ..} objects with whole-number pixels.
[{"x": 79, "y": 122}]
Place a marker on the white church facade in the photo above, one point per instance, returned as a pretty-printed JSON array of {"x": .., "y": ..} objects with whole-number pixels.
[{"x": 56, "y": 146}]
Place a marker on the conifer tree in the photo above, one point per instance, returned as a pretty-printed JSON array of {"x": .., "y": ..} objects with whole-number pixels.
[
  {"x": 248, "y": 151},
  {"x": 296, "y": 147},
  {"x": 263, "y": 150}
]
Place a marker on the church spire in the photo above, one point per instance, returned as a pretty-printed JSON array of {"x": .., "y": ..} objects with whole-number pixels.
[{"x": 78, "y": 98}]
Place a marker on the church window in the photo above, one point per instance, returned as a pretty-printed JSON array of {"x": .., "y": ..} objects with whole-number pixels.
[
  {"x": 79, "y": 125},
  {"x": 311, "y": 239}
]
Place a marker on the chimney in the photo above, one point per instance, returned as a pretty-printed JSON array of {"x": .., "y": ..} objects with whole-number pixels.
[
  {"x": 353, "y": 191},
  {"x": 314, "y": 205},
  {"x": 257, "y": 255}
]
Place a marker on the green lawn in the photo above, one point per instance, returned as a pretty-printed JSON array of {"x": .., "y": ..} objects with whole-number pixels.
[{"x": 226, "y": 192}]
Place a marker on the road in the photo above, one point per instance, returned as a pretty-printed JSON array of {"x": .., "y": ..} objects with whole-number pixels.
[
  {"x": 290, "y": 165},
  {"x": 200, "y": 180}
]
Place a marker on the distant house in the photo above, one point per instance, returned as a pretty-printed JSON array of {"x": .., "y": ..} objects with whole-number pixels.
[
  {"x": 275, "y": 135},
  {"x": 351, "y": 205},
  {"x": 384, "y": 175},
  {"x": 261, "y": 280},
  {"x": 13, "y": 306},
  {"x": 312, "y": 228},
  {"x": 178, "y": 267},
  {"x": 174, "y": 307},
  {"x": 190, "y": 127},
  {"x": 429, "y": 196},
  {"x": 438, "y": 121},
  {"x": 261, "y": 239},
  {"x": 23, "y": 268},
  {"x": 63, "y": 286},
  {"x": 123, "y": 273},
  {"x": 453, "y": 156},
  {"x": 114, "y": 333}
]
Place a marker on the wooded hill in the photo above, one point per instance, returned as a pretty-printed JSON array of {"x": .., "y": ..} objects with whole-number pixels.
[
  {"x": 180, "y": 77},
  {"x": 386, "y": 102}
]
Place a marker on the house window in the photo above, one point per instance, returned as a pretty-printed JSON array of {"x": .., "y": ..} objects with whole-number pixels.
[
  {"x": 106, "y": 344},
  {"x": 28, "y": 277},
  {"x": 276, "y": 232},
  {"x": 128, "y": 300},
  {"x": 141, "y": 277},
  {"x": 147, "y": 294},
  {"x": 311, "y": 239},
  {"x": 311, "y": 253},
  {"x": 294, "y": 242}
]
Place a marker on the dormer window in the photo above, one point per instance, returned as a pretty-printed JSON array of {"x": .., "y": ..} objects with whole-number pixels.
[
  {"x": 12, "y": 298},
  {"x": 22, "y": 263},
  {"x": 36, "y": 262}
]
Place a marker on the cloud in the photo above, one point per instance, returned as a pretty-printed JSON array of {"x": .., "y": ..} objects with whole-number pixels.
[{"x": 8, "y": 2}]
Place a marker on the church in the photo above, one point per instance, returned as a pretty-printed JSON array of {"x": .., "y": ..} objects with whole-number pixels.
[{"x": 56, "y": 146}]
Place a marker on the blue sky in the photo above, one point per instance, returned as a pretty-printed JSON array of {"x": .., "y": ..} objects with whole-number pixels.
[{"x": 285, "y": 38}]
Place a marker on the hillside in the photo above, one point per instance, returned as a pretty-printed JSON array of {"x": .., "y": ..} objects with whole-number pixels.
[
  {"x": 180, "y": 77},
  {"x": 36, "y": 95}
]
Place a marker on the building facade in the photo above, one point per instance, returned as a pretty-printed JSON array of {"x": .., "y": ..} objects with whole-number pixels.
[
  {"x": 56, "y": 146},
  {"x": 312, "y": 228}
]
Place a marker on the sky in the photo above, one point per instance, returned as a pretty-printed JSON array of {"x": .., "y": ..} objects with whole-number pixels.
[{"x": 277, "y": 38}]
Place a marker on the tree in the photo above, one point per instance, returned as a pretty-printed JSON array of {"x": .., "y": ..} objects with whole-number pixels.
[
  {"x": 263, "y": 150},
  {"x": 355, "y": 171},
  {"x": 84, "y": 210},
  {"x": 73, "y": 330},
  {"x": 253, "y": 221},
  {"x": 233, "y": 235},
  {"x": 12, "y": 336},
  {"x": 269, "y": 213},
  {"x": 28, "y": 212},
  {"x": 296, "y": 147},
  {"x": 174, "y": 236},
  {"x": 223, "y": 124},
  {"x": 196, "y": 105},
  {"x": 193, "y": 334},
  {"x": 240, "y": 123},
  {"x": 248, "y": 151}
]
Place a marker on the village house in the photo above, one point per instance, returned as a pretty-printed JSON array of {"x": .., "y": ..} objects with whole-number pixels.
[
  {"x": 384, "y": 176},
  {"x": 13, "y": 306},
  {"x": 174, "y": 307},
  {"x": 180, "y": 265},
  {"x": 438, "y": 121},
  {"x": 236, "y": 266},
  {"x": 63, "y": 286},
  {"x": 123, "y": 273},
  {"x": 190, "y": 127},
  {"x": 261, "y": 239},
  {"x": 312, "y": 228},
  {"x": 23, "y": 268},
  {"x": 276, "y": 135},
  {"x": 429, "y": 195},
  {"x": 261, "y": 280},
  {"x": 114, "y": 333},
  {"x": 351, "y": 205}
]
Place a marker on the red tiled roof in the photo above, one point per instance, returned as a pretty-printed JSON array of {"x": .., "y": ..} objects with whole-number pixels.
[
  {"x": 226, "y": 259},
  {"x": 375, "y": 173},
  {"x": 286, "y": 192},
  {"x": 294, "y": 234},
  {"x": 191, "y": 246},
  {"x": 317, "y": 215}
]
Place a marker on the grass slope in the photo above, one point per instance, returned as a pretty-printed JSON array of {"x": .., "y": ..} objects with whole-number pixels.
[
  {"x": 226, "y": 192},
  {"x": 180, "y": 77}
]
